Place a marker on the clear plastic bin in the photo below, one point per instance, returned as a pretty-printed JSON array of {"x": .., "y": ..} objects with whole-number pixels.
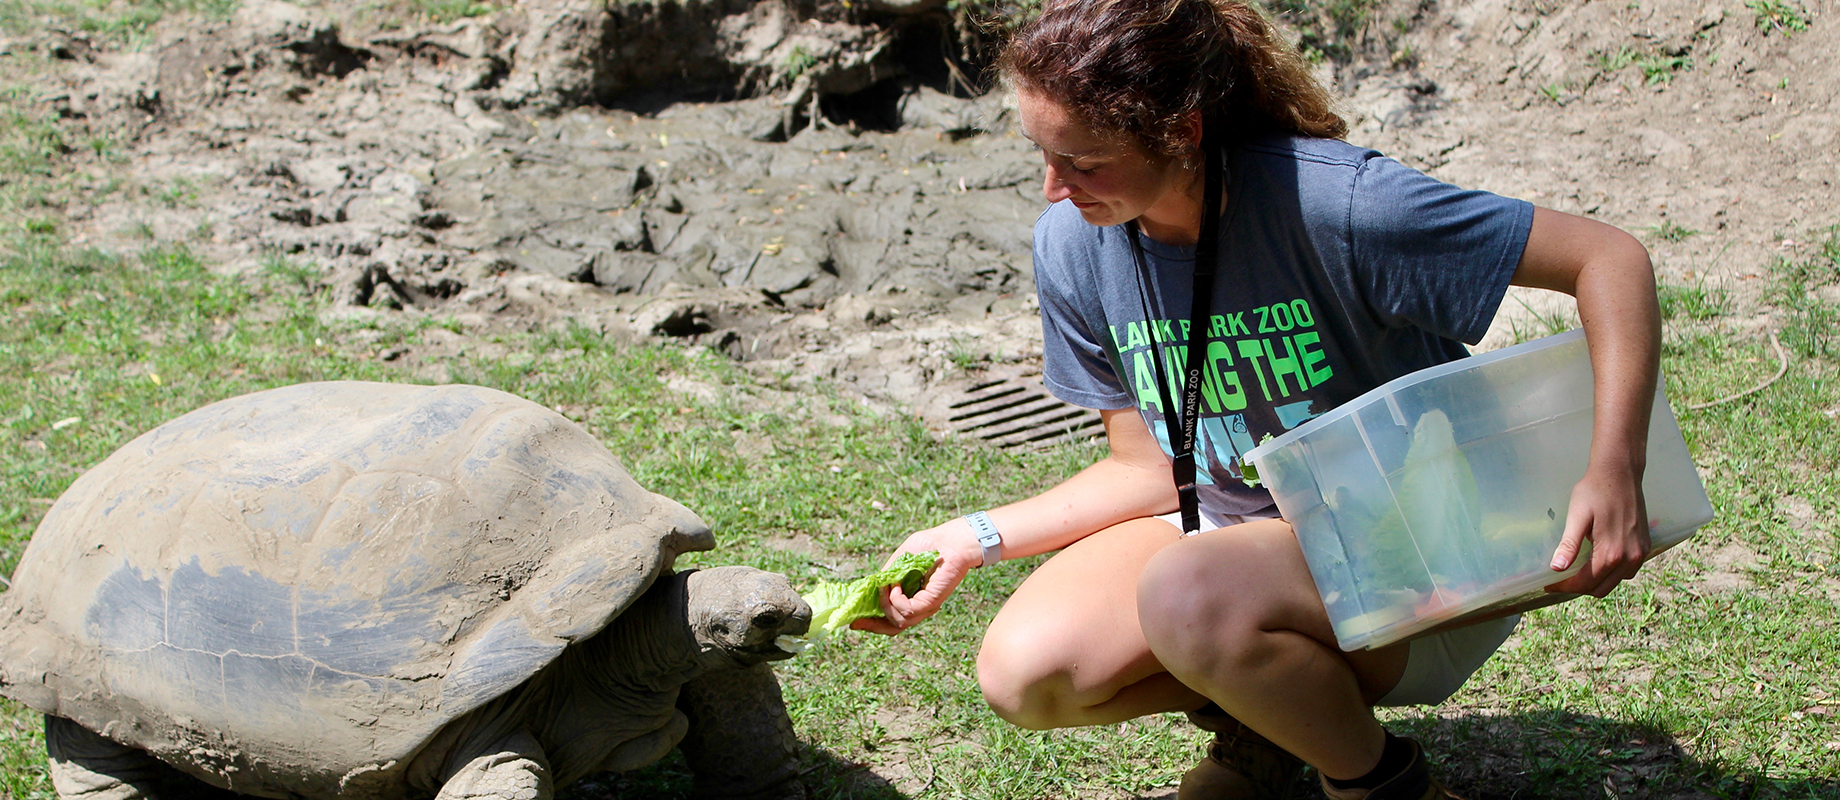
[{"x": 1443, "y": 494}]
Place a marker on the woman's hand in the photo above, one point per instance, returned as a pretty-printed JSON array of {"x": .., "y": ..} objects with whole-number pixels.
[
  {"x": 1610, "y": 274},
  {"x": 1607, "y": 508},
  {"x": 1133, "y": 481},
  {"x": 959, "y": 553}
]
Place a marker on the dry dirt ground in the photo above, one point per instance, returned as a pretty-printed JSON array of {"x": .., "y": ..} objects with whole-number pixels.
[{"x": 861, "y": 217}]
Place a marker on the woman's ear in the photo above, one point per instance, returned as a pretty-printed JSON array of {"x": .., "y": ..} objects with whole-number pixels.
[{"x": 1191, "y": 131}]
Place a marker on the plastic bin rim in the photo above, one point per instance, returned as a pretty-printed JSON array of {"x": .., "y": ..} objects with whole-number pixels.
[{"x": 1373, "y": 395}]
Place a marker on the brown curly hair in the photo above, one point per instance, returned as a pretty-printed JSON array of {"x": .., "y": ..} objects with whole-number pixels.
[{"x": 1139, "y": 68}]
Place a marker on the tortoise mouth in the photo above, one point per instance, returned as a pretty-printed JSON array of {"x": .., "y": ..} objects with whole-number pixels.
[
  {"x": 775, "y": 648},
  {"x": 766, "y": 651}
]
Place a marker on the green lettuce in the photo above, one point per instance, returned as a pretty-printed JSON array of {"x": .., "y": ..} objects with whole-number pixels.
[{"x": 836, "y": 604}]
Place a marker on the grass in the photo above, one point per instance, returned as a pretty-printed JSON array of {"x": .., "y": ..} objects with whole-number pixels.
[
  {"x": 1709, "y": 676},
  {"x": 450, "y": 10},
  {"x": 97, "y": 365},
  {"x": 398, "y": 13},
  {"x": 1778, "y": 15},
  {"x": 1811, "y": 322},
  {"x": 797, "y": 62},
  {"x": 111, "y": 19},
  {"x": 1327, "y": 28},
  {"x": 964, "y": 355},
  {"x": 1668, "y": 685},
  {"x": 128, "y": 20},
  {"x": 1697, "y": 302},
  {"x": 1672, "y": 232},
  {"x": 1610, "y": 61},
  {"x": 1659, "y": 69},
  {"x": 1537, "y": 323}
]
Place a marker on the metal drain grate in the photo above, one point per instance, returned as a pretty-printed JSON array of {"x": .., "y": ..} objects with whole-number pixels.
[{"x": 1020, "y": 413}]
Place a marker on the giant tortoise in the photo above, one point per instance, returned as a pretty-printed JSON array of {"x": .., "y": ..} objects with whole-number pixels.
[{"x": 384, "y": 591}]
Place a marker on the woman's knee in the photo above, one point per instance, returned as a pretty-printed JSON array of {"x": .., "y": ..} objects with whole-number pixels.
[
  {"x": 1201, "y": 608},
  {"x": 1022, "y": 675},
  {"x": 1179, "y": 594}
]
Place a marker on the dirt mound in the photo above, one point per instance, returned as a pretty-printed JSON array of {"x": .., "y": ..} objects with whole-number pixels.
[
  {"x": 813, "y": 188},
  {"x": 1707, "y": 128}
]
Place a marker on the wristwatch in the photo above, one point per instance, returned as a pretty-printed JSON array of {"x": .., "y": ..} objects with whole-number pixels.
[{"x": 987, "y": 536}]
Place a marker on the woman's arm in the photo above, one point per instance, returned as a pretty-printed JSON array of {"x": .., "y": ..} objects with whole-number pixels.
[
  {"x": 1133, "y": 481},
  {"x": 1609, "y": 273}
]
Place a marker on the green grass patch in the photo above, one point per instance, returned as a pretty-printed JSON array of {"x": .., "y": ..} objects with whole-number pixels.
[
  {"x": 797, "y": 62},
  {"x": 31, "y": 147},
  {"x": 1327, "y": 28},
  {"x": 1612, "y": 61},
  {"x": 1778, "y": 15},
  {"x": 1697, "y": 302},
  {"x": 112, "y": 19},
  {"x": 1534, "y": 323},
  {"x": 1659, "y": 69},
  {"x": 443, "y": 11},
  {"x": 1671, "y": 231},
  {"x": 1807, "y": 292},
  {"x": 398, "y": 13}
]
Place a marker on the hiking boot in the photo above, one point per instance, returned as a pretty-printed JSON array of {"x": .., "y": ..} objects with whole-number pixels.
[
  {"x": 1240, "y": 764},
  {"x": 1412, "y": 783}
]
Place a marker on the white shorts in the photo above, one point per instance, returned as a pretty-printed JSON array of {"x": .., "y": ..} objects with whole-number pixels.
[{"x": 1436, "y": 665}]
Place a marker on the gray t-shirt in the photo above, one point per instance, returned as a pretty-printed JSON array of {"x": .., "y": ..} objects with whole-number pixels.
[{"x": 1340, "y": 269}]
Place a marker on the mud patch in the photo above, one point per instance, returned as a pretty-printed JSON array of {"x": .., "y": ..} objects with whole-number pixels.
[{"x": 820, "y": 194}]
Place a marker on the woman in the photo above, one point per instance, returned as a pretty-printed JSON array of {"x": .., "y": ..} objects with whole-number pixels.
[{"x": 1378, "y": 271}]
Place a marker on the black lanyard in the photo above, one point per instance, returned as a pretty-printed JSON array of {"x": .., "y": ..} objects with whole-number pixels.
[{"x": 1182, "y": 468}]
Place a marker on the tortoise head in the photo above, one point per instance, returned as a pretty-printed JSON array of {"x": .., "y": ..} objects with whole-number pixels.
[{"x": 737, "y": 613}]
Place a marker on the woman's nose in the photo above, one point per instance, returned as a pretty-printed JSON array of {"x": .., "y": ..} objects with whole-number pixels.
[{"x": 1054, "y": 186}]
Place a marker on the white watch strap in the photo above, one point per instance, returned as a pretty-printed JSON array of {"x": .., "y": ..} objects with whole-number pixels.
[{"x": 987, "y": 536}]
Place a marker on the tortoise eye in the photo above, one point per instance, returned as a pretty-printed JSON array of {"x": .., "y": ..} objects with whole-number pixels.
[{"x": 768, "y": 619}]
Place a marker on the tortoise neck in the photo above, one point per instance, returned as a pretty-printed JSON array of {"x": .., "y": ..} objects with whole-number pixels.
[{"x": 650, "y": 647}]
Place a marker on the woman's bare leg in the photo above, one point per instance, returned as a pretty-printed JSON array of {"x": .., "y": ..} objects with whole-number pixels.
[
  {"x": 1235, "y": 614},
  {"x": 1067, "y": 648}
]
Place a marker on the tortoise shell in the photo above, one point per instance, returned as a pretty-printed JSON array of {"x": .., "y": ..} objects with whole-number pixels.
[{"x": 292, "y": 591}]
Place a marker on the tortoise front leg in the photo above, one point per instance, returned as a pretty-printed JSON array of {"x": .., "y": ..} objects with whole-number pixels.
[
  {"x": 513, "y": 768},
  {"x": 741, "y": 745},
  {"x": 86, "y": 765}
]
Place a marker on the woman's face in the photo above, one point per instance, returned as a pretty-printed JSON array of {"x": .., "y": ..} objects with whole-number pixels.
[{"x": 1110, "y": 181}]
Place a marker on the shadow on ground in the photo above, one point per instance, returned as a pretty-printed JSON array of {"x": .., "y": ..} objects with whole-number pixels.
[
  {"x": 1542, "y": 755},
  {"x": 827, "y": 776},
  {"x": 1539, "y": 755},
  {"x": 1558, "y": 755}
]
